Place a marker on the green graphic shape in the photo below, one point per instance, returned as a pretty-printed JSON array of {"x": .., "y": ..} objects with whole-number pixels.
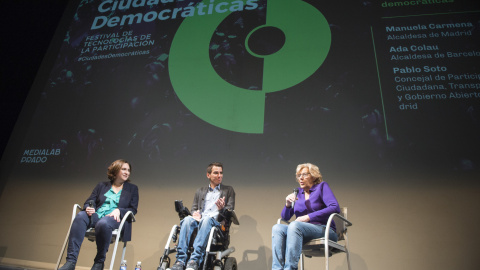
[{"x": 233, "y": 108}]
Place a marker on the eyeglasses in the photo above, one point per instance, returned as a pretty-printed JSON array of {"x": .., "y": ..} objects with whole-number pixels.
[{"x": 302, "y": 175}]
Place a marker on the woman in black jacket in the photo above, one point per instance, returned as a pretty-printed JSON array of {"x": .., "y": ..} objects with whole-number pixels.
[{"x": 104, "y": 210}]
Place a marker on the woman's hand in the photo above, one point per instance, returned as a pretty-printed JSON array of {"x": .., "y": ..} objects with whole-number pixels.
[
  {"x": 90, "y": 211},
  {"x": 289, "y": 199},
  {"x": 305, "y": 218},
  {"x": 115, "y": 214}
]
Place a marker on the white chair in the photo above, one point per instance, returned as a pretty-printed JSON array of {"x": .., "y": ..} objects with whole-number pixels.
[
  {"x": 90, "y": 235},
  {"x": 324, "y": 247}
]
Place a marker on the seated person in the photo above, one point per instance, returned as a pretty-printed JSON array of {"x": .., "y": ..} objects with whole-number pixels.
[
  {"x": 111, "y": 201},
  {"x": 208, "y": 204},
  {"x": 314, "y": 205}
]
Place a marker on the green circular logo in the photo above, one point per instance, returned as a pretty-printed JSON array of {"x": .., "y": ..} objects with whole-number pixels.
[{"x": 307, "y": 42}]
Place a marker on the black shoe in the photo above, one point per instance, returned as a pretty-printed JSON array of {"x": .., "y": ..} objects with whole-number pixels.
[
  {"x": 192, "y": 265},
  {"x": 97, "y": 266},
  {"x": 68, "y": 266},
  {"x": 177, "y": 266}
]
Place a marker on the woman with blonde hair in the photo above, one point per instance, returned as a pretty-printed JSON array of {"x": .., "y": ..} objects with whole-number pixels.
[{"x": 312, "y": 208}]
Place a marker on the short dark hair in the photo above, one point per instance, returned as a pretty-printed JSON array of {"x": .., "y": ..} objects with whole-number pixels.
[
  {"x": 115, "y": 167},
  {"x": 216, "y": 164}
]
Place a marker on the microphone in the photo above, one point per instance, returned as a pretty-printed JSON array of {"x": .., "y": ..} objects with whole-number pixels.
[
  {"x": 91, "y": 203},
  {"x": 295, "y": 192}
]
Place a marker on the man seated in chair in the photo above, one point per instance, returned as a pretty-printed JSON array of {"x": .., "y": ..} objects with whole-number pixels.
[{"x": 209, "y": 205}]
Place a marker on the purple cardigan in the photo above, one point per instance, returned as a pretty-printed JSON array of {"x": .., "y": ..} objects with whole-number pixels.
[{"x": 321, "y": 204}]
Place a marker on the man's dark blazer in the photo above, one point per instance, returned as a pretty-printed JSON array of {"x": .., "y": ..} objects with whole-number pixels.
[
  {"x": 128, "y": 202},
  {"x": 225, "y": 191}
]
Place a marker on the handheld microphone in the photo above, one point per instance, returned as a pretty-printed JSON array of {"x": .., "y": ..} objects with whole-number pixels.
[
  {"x": 91, "y": 203},
  {"x": 295, "y": 192}
]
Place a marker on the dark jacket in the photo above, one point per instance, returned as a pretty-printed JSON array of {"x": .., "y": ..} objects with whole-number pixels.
[
  {"x": 225, "y": 191},
  {"x": 128, "y": 202}
]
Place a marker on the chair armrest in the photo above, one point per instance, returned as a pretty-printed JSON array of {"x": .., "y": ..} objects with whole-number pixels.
[
  {"x": 124, "y": 219},
  {"x": 329, "y": 223},
  {"x": 340, "y": 217},
  {"x": 129, "y": 213},
  {"x": 329, "y": 220},
  {"x": 279, "y": 221},
  {"x": 74, "y": 212},
  {"x": 232, "y": 216}
]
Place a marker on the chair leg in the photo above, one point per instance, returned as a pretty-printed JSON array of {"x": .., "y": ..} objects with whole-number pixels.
[
  {"x": 348, "y": 260},
  {"x": 123, "y": 252},
  {"x": 348, "y": 253},
  {"x": 63, "y": 248},
  {"x": 326, "y": 254},
  {"x": 74, "y": 213},
  {"x": 301, "y": 261},
  {"x": 112, "y": 262}
]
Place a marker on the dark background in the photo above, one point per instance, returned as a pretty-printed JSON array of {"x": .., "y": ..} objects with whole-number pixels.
[{"x": 28, "y": 27}]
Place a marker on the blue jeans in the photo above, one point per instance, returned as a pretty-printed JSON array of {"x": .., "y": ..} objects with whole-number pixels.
[
  {"x": 187, "y": 227},
  {"x": 103, "y": 235},
  {"x": 287, "y": 241}
]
